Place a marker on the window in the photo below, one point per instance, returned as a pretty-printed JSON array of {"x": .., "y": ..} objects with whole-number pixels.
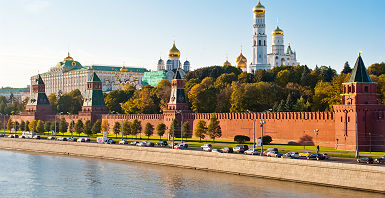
[
  {"x": 341, "y": 118},
  {"x": 366, "y": 89},
  {"x": 259, "y": 42},
  {"x": 264, "y": 43}
]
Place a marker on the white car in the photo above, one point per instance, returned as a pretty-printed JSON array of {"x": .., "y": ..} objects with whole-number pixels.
[
  {"x": 206, "y": 145},
  {"x": 207, "y": 149},
  {"x": 123, "y": 142},
  {"x": 51, "y": 138},
  {"x": 81, "y": 140}
]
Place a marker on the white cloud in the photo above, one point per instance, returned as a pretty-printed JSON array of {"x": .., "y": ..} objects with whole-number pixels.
[{"x": 36, "y": 6}]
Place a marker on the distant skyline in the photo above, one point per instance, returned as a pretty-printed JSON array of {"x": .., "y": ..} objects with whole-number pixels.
[{"x": 36, "y": 34}]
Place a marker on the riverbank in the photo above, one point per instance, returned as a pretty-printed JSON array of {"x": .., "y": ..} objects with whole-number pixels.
[{"x": 352, "y": 176}]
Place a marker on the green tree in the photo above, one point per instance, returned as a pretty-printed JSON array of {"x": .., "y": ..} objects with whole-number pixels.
[
  {"x": 200, "y": 130},
  {"x": 27, "y": 126},
  {"x": 40, "y": 126},
  {"x": 174, "y": 127},
  {"x": 79, "y": 127},
  {"x": 225, "y": 80},
  {"x": 185, "y": 129},
  {"x": 148, "y": 130},
  {"x": 161, "y": 129},
  {"x": 17, "y": 125},
  {"x": 136, "y": 127},
  {"x": 47, "y": 126},
  {"x": 55, "y": 126},
  {"x": 214, "y": 129},
  {"x": 53, "y": 102},
  {"x": 347, "y": 69},
  {"x": 10, "y": 124},
  {"x": 72, "y": 127},
  {"x": 117, "y": 129},
  {"x": 115, "y": 98},
  {"x": 377, "y": 69},
  {"x": 96, "y": 128},
  {"x": 301, "y": 105},
  {"x": 63, "y": 126},
  {"x": 104, "y": 125},
  {"x": 87, "y": 128},
  {"x": 283, "y": 77},
  {"x": 163, "y": 92},
  {"x": 22, "y": 125},
  {"x": 126, "y": 128},
  {"x": 203, "y": 96}
]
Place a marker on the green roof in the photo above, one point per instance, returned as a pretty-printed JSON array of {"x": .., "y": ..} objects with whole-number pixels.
[
  {"x": 359, "y": 73},
  {"x": 39, "y": 80},
  {"x": 94, "y": 78},
  {"x": 112, "y": 68},
  {"x": 70, "y": 64},
  {"x": 177, "y": 75},
  {"x": 154, "y": 77},
  {"x": 13, "y": 90}
]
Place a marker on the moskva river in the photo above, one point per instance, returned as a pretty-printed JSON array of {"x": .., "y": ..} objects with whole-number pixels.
[{"x": 30, "y": 175}]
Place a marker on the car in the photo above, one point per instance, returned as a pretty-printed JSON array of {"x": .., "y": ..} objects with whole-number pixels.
[
  {"x": 110, "y": 141},
  {"x": 240, "y": 148},
  {"x": 123, "y": 142},
  {"x": 162, "y": 143},
  {"x": 184, "y": 145},
  {"x": 134, "y": 143},
  {"x": 326, "y": 155},
  {"x": 88, "y": 139},
  {"x": 274, "y": 154},
  {"x": 2, "y": 135},
  {"x": 252, "y": 152},
  {"x": 179, "y": 147},
  {"x": 315, "y": 156},
  {"x": 22, "y": 137},
  {"x": 380, "y": 160},
  {"x": 81, "y": 140},
  {"x": 304, "y": 154},
  {"x": 51, "y": 138},
  {"x": 217, "y": 151},
  {"x": 175, "y": 144},
  {"x": 228, "y": 150},
  {"x": 207, "y": 149},
  {"x": 62, "y": 139},
  {"x": 150, "y": 144},
  {"x": 269, "y": 150},
  {"x": 36, "y": 137},
  {"x": 13, "y": 136},
  {"x": 368, "y": 160},
  {"x": 206, "y": 145},
  {"x": 292, "y": 155},
  {"x": 142, "y": 144},
  {"x": 72, "y": 139}
]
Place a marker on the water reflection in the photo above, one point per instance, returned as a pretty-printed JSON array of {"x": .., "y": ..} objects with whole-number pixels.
[{"x": 29, "y": 175}]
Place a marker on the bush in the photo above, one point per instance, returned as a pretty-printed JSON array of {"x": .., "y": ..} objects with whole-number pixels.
[
  {"x": 241, "y": 139},
  {"x": 266, "y": 139}
]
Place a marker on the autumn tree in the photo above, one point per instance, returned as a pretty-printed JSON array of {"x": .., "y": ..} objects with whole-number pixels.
[
  {"x": 79, "y": 127},
  {"x": 203, "y": 96},
  {"x": 96, "y": 128},
  {"x": 200, "y": 130},
  {"x": 22, "y": 125},
  {"x": 185, "y": 129},
  {"x": 104, "y": 125},
  {"x": 40, "y": 126},
  {"x": 47, "y": 126},
  {"x": 214, "y": 129},
  {"x": 161, "y": 129},
  {"x": 136, "y": 127},
  {"x": 63, "y": 126},
  {"x": 148, "y": 130},
  {"x": 117, "y": 128},
  {"x": 126, "y": 128}
]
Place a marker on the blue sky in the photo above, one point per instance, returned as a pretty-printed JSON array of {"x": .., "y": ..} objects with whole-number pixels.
[{"x": 36, "y": 34}]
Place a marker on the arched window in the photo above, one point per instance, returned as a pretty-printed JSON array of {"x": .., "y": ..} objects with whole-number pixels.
[
  {"x": 259, "y": 42},
  {"x": 264, "y": 43}
]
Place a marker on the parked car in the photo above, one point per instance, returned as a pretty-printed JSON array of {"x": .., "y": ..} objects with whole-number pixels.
[
  {"x": 315, "y": 156},
  {"x": 175, "y": 144},
  {"x": 380, "y": 160},
  {"x": 87, "y": 139},
  {"x": 51, "y": 138},
  {"x": 81, "y": 140},
  {"x": 240, "y": 148},
  {"x": 217, "y": 151},
  {"x": 304, "y": 154},
  {"x": 228, "y": 150},
  {"x": 326, "y": 155},
  {"x": 292, "y": 155},
  {"x": 150, "y": 144},
  {"x": 2, "y": 135},
  {"x": 62, "y": 139},
  {"x": 207, "y": 149},
  {"x": 274, "y": 154},
  {"x": 206, "y": 145},
  {"x": 142, "y": 144},
  {"x": 134, "y": 143},
  {"x": 269, "y": 150},
  {"x": 252, "y": 152},
  {"x": 184, "y": 145},
  {"x": 162, "y": 143},
  {"x": 13, "y": 136},
  {"x": 36, "y": 137},
  {"x": 110, "y": 141},
  {"x": 72, "y": 139},
  {"x": 123, "y": 142},
  {"x": 22, "y": 137},
  {"x": 179, "y": 147},
  {"x": 368, "y": 160}
]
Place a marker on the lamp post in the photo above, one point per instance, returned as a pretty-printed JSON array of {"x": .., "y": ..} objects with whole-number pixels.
[
  {"x": 262, "y": 123},
  {"x": 316, "y": 136}
]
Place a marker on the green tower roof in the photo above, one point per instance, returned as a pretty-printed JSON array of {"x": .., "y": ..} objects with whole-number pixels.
[
  {"x": 94, "y": 78},
  {"x": 39, "y": 80},
  {"x": 359, "y": 73},
  {"x": 177, "y": 74}
]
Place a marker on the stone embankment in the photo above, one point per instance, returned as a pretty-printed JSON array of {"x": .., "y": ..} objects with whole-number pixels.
[{"x": 352, "y": 176}]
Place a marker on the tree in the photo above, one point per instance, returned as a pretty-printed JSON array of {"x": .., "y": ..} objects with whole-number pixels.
[
  {"x": 161, "y": 129},
  {"x": 17, "y": 125},
  {"x": 185, "y": 129},
  {"x": 173, "y": 127},
  {"x": 72, "y": 127},
  {"x": 27, "y": 126},
  {"x": 148, "y": 130},
  {"x": 200, "y": 130},
  {"x": 40, "y": 126},
  {"x": 53, "y": 102},
  {"x": 55, "y": 126},
  {"x": 126, "y": 128},
  {"x": 96, "y": 127},
  {"x": 117, "y": 129},
  {"x": 79, "y": 127},
  {"x": 214, "y": 129},
  {"x": 377, "y": 69},
  {"x": 47, "y": 126},
  {"x": 283, "y": 77},
  {"x": 347, "y": 69},
  {"x": 32, "y": 126},
  {"x": 225, "y": 80},
  {"x": 87, "y": 127},
  {"x": 241, "y": 139},
  {"x": 114, "y": 99},
  {"x": 136, "y": 127},
  {"x": 10, "y": 124},
  {"x": 104, "y": 125},
  {"x": 163, "y": 92},
  {"x": 203, "y": 96},
  {"x": 22, "y": 125},
  {"x": 63, "y": 126}
]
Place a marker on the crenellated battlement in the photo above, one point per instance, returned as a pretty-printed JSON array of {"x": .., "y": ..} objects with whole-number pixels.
[{"x": 267, "y": 116}]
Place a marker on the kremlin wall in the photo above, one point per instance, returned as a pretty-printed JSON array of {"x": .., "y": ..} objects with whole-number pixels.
[{"x": 358, "y": 118}]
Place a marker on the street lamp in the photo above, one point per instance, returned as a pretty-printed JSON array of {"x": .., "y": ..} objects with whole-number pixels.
[
  {"x": 316, "y": 136},
  {"x": 262, "y": 123}
]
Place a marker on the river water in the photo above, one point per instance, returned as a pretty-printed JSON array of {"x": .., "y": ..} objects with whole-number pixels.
[{"x": 30, "y": 175}]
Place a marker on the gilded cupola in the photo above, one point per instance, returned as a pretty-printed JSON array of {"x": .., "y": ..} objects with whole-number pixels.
[{"x": 174, "y": 52}]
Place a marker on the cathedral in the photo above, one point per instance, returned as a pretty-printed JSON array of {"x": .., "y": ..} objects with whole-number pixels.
[{"x": 278, "y": 56}]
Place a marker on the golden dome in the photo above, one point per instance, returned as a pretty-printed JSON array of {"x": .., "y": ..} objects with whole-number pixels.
[
  {"x": 242, "y": 65},
  {"x": 174, "y": 52},
  {"x": 69, "y": 58},
  {"x": 123, "y": 69},
  {"x": 259, "y": 9},
  {"x": 278, "y": 31},
  {"x": 241, "y": 58},
  {"x": 227, "y": 63}
]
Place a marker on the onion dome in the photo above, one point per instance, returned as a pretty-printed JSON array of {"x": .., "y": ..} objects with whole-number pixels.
[
  {"x": 160, "y": 61},
  {"x": 227, "y": 63},
  {"x": 241, "y": 58},
  {"x": 278, "y": 31},
  {"x": 242, "y": 65},
  {"x": 259, "y": 8},
  {"x": 174, "y": 52},
  {"x": 186, "y": 62},
  {"x": 123, "y": 69},
  {"x": 68, "y": 58}
]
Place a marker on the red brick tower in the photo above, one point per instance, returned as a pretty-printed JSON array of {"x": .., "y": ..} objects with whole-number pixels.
[
  {"x": 38, "y": 106},
  {"x": 359, "y": 118}
]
